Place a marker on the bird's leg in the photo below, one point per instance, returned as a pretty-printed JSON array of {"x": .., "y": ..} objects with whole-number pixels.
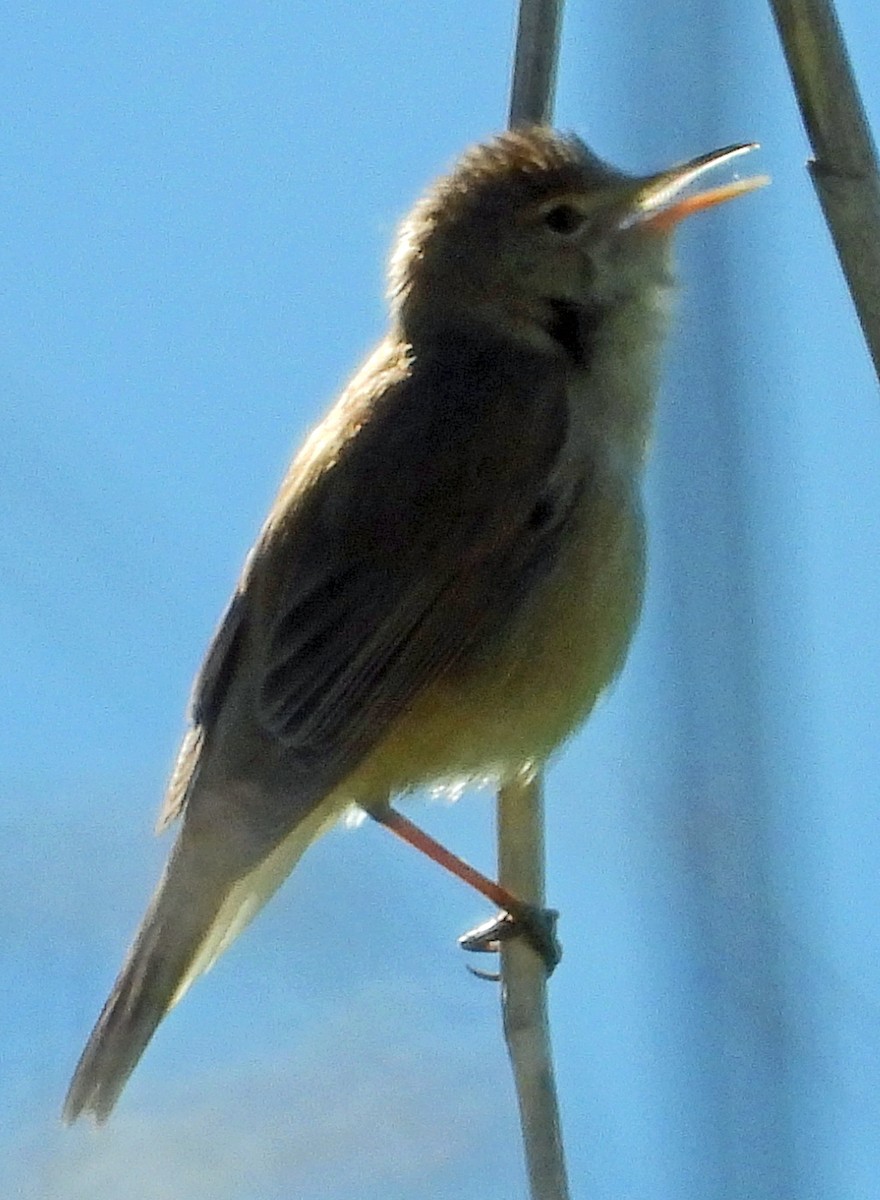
[{"x": 537, "y": 924}]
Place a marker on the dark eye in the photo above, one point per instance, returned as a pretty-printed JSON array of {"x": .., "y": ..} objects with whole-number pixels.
[{"x": 563, "y": 218}]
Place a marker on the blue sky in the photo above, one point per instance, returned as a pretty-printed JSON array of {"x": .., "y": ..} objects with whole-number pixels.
[{"x": 198, "y": 201}]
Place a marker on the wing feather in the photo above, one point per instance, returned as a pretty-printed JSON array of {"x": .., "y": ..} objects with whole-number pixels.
[
  {"x": 403, "y": 538},
  {"x": 421, "y": 539}
]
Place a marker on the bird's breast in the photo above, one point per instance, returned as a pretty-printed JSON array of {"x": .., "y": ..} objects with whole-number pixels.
[{"x": 515, "y": 696}]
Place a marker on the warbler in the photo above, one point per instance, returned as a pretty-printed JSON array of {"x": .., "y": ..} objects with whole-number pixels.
[{"x": 453, "y": 568}]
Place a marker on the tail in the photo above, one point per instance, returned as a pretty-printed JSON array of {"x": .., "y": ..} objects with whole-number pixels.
[{"x": 193, "y": 917}]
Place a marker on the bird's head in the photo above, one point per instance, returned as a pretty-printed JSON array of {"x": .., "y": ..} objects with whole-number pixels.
[{"x": 532, "y": 226}]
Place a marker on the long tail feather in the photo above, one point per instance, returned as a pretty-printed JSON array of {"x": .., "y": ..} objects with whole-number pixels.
[{"x": 193, "y": 917}]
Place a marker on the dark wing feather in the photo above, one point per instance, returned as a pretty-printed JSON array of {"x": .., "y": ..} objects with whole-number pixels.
[
  {"x": 208, "y": 693},
  {"x": 418, "y": 542}
]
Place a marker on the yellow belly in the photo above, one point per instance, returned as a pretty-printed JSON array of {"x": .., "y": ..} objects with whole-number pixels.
[{"x": 516, "y": 701}]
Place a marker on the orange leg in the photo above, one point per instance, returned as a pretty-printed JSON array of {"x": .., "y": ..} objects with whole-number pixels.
[{"x": 538, "y": 924}]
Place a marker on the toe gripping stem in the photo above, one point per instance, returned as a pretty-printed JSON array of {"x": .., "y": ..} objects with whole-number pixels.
[{"x": 537, "y": 924}]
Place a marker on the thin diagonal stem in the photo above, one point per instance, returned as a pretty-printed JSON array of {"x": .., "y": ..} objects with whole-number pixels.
[
  {"x": 845, "y": 170},
  {"x": 520, "y": 804},
  {"x": 536, "y": 56},
  {"x": 524, "y": 982}
]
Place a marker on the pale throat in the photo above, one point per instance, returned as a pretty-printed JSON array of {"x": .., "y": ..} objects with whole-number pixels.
[{"x": 619, "y": 389}]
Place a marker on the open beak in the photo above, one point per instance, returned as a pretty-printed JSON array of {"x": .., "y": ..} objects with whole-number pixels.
[{"x": 659, "y": 204}]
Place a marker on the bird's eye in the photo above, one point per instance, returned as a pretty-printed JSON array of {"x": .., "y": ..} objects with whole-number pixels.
[{"x": 564, "y": 218}]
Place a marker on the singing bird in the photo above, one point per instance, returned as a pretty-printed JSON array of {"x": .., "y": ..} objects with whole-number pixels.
[{"x": 452, "y": 570}]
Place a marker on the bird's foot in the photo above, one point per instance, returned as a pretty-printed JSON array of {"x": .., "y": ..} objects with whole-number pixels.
[{"x": 537, "y": 925}]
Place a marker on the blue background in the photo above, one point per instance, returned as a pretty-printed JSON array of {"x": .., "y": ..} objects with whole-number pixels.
[{"x": 197, "y": 201}]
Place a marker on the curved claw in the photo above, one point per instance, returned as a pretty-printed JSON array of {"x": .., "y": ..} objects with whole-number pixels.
[
  {"x": 536, "y": 924},
  {"x": 489, "y": 976}
]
